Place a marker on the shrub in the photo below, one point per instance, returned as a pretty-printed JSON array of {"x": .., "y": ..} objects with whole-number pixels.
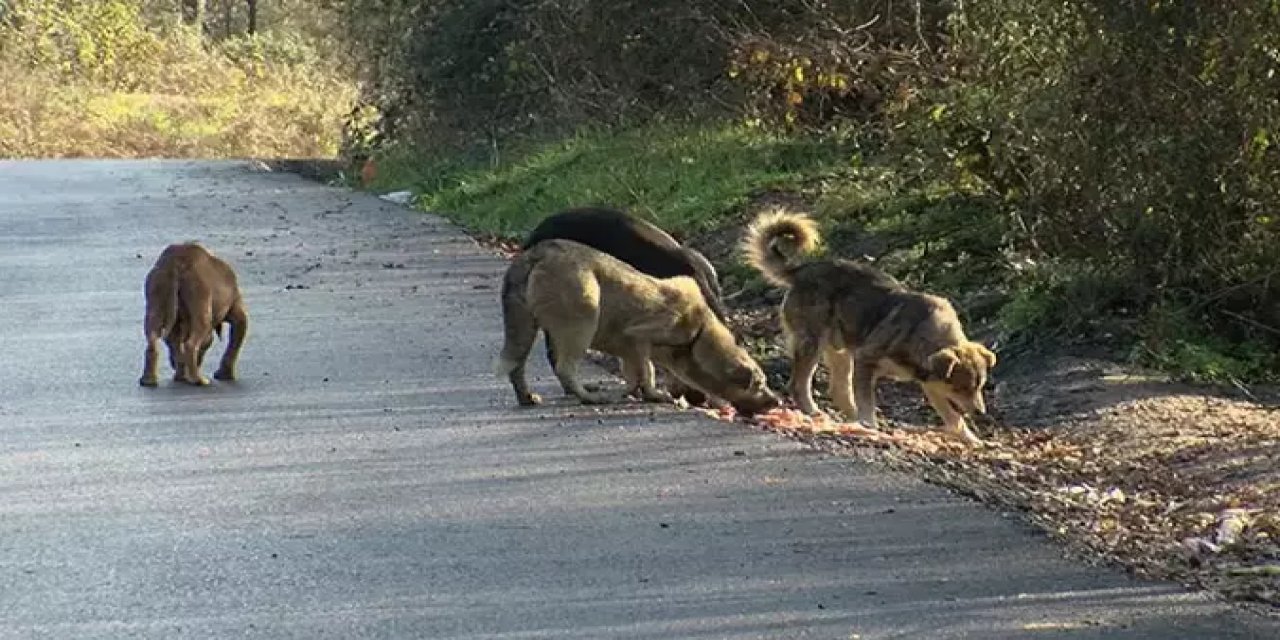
[
  {"x": 1133, "y": 139},
  {"x": 1099, "y": 164}
]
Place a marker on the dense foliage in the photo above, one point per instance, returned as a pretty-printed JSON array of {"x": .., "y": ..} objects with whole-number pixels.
[{"x": 1112, "y": 167}]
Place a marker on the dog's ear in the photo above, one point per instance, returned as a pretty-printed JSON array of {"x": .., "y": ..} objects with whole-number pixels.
[
  {"x": 942, "y": 363},
  {"x": 986, "y": 354}
]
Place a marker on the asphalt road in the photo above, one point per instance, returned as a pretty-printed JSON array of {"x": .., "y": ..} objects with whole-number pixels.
[{"x": 369, "y": 478}]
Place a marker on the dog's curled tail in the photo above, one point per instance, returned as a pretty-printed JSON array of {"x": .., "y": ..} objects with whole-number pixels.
[{"x": 777, "y": 241}]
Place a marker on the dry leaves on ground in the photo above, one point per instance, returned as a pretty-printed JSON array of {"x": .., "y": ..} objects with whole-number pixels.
[{"x": 1170, "y": 486}]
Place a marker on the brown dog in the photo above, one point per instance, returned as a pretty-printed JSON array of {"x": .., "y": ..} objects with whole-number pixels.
[
  {"x": 642, "y": 245},
  {"x": 865, "y": 325},
  {"x": 190, "y": 293},
  {"x": 584, "y": 298}
]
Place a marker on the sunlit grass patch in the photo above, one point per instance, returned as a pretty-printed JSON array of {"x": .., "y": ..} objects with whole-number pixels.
[{"x": 685, "y": 178}]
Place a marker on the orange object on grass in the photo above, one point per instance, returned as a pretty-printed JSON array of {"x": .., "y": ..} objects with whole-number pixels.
[{"x": 368, "y": 172}]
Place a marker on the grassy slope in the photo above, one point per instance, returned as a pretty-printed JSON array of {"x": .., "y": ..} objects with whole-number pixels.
[
  {"x": 699, "y": 183},
  {"x": 687, "y": 180}
]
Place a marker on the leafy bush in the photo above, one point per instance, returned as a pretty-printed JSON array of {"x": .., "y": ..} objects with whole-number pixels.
[
  {"x": 262, "y": 54},
  {"x": 1133, "y": 139},
  {"x": 477, "y": 70},
  {"x": 1098, "y": 167}
]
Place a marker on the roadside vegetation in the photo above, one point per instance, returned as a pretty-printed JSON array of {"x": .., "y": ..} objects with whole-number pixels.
[
  {"x": 148, "y": 78},
  {"x": 1103, "y": 175},
  {"x": 1094, "y": 183}
]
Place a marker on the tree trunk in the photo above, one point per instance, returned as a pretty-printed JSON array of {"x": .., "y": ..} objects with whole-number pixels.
[
  {"x": 193, "y": 12},
  {"x": 253, "y": 16}
]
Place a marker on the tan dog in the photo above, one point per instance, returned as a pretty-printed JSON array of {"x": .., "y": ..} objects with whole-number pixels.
[
  {"x": 865, "y": 325},
  {"x": 190, "y": 293},
  {"x": 584, "y": 298}
]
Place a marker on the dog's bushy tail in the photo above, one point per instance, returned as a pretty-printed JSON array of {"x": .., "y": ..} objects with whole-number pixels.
[{"x": 778, "y": 241}]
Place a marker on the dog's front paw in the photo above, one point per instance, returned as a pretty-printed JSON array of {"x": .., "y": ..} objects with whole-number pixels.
[
  {"x": 848, "y": 412},
  {"x": 678, "y": 389},
  {"x": 963, "y": 434},
  {"x": 198, "y": 381},
  {"x": 149, "y": 381},
  {"x": 529, "y": 399},
  {"x": 651, "y": 395},
  {"x": 225, "y": 374},
  {"x": 598, "y": 398},
  {"x": 658, "y": 395},
  {"x": 810, "y": 408}
]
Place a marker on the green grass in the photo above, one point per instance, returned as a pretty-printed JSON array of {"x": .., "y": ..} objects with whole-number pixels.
[
  {"x": 686, "y": 179},
  {"x": 691, "y": 179},
  {"x": 1175, "y": 339}
]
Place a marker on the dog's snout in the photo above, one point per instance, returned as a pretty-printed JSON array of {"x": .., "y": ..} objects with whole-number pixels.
[{"x": 763, "y": 402}]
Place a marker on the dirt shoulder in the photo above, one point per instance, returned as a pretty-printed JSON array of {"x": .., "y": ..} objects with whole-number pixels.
[{"x": 1168, "y": 480}]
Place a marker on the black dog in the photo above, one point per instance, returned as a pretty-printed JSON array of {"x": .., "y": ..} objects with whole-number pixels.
[
  {"x": 638, "y": 243},
  {"x": 634, "y": 241}
]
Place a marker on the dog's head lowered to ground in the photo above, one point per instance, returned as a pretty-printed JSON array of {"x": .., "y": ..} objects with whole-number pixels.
[
  {"x": 958, "y": 374},
  {"x": 714, "y": 363}
]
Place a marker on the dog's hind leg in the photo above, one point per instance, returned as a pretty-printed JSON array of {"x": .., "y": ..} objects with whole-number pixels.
[
  {"x": 151, "y": 360},
  {"x": 551, "y": 360},
  {"x": 153, "y": 329},
  {"x": 157, "y": 324},
  {"x": 551, "y": 353},
  {"x": 514, "y": 370},
  {"x": 189, "y": 360},
  {"x": 198, "y": 321},
  {"x": 238, "y": 321},
  {"x": 175, "y": 341},
  {"x": 172, "y": 341},
  {"x": 840, "y": 380},
  {"x": 204, "y": 348},
  {"x": 520, "y": 332}
]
